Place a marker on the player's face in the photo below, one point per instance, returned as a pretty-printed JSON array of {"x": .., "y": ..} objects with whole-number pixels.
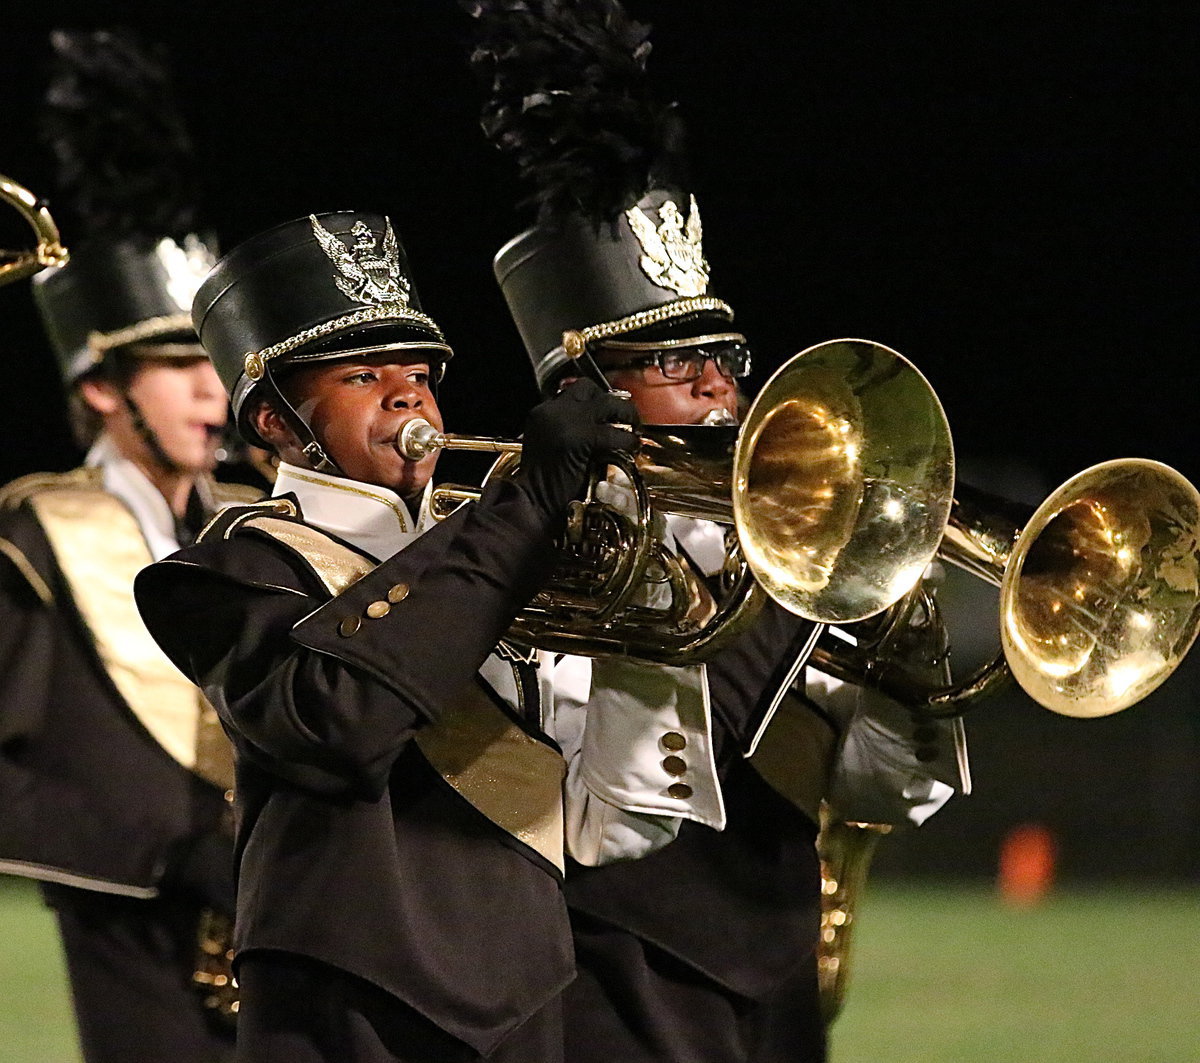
[
  {"x": 661, "y": 400},
  {"x": 356, "y": 407},
  {"x": 184, "y": 405}
]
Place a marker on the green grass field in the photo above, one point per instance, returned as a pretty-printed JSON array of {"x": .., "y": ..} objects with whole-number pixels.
[{"x": 941, "y": 975}]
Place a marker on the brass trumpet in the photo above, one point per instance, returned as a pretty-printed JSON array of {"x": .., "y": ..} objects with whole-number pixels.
[
  {"x": 838, "y": 485},
  {"x": 49, "y": 251}
]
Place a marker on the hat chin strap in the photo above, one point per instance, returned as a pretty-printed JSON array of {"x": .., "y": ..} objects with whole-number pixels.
[
  {"x": 313, "y": 452},
  {"x": 148, "y": 436}
]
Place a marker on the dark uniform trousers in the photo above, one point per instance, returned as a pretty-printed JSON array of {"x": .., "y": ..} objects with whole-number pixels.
[
  {"x": 130, "y": 964},
  {"x": 703, "y": 952},
  {"x": 90, "y": 798},
  {"x": 377, "y": 907}
]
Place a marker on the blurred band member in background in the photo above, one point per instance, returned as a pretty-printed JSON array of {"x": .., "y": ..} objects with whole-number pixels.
[{"x": 114, "y": 772}]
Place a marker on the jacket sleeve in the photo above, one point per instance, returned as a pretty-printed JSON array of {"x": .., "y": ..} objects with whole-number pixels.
[
  {"x": 890, "y": 766},
  {"x": 33, "y": 612},
  {"x": 747, "y": 677},
  {"x": 326, "y": 691},
  {"x": 644, "y": 764}
]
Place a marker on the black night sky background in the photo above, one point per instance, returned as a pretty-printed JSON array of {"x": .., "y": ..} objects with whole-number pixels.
[{"x": 1005, "y": 193}]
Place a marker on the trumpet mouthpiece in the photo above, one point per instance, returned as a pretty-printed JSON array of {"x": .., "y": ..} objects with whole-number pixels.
[
  {"x": 718, "y": 417},
  {"x": 417, "y": 439}
]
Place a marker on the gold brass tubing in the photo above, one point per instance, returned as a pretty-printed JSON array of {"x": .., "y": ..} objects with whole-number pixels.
[
  {"x": 444, "y": 500},
  {"x": 417, "y": 438},
  {"x": 480, "y": 443},
  {"x": 49, "y": 250}
]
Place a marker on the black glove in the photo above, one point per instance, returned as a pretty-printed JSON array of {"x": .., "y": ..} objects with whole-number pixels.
[
  {"x": 201, "y": 868},
  {"x": 561, "y": 437}
]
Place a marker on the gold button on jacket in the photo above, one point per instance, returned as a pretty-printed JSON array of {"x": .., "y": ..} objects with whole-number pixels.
[
  {"x": 674, "y": 765},
  {"x": 673, "y": 741}
]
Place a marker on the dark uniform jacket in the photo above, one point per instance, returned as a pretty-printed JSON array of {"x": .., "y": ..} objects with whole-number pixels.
[
  {"x": 741, "y": 906},
  {"x": 353, "y": 849},
  {"x": 90, "y": 798}
]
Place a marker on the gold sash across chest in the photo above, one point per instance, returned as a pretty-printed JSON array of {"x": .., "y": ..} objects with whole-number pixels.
[
  {"x": 99, "y": 548},
  {"x": 507, "y": 775}
]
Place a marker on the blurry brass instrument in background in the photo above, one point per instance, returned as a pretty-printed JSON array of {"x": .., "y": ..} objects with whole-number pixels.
[
  {"x": 838, "y": 483},
  {"x": 845, "y": 850},
  {"x": 212, "y": 972},
  {"x": 49, "y": 251}
]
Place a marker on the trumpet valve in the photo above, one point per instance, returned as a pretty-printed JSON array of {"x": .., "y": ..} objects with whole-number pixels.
[{"x": 576, "y": 515}]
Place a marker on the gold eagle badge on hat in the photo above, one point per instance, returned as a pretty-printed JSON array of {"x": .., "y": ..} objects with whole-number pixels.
[{"x": 672, "y": 255}]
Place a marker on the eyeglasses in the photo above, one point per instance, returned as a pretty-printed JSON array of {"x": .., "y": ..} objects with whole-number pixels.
[{"x": 684, "y": 364}]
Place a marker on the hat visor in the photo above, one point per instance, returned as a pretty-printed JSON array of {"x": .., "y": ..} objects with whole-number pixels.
[{"x": 376, "y": 338}]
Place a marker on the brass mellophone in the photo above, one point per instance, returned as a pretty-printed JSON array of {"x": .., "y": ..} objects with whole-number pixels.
[
  {"x": 811, "y": 482},
  {"x": 840, "y": 488}
]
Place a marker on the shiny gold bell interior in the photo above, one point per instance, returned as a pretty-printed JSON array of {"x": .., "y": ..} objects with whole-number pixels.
[
  {"x": 838, "y": 485},
  {"x": 843, "y": 481},
  {"x": 1101, "y": 598},
  {"x": 1099, "y": 594}
]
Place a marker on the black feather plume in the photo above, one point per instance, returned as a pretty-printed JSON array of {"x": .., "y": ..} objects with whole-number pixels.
[
  {"x": 568, "y": 98},
  {"x": 126, "y": 164}
]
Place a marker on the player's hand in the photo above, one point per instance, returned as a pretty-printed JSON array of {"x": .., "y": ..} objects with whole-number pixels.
[{"x": 564, "y": 434}]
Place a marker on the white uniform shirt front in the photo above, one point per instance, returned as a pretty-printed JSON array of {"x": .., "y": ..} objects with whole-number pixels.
[
  {"x": 609, "y": 717},
  {"x": 122, "y": 478}
]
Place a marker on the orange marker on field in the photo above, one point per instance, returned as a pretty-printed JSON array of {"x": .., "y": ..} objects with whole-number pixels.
[{"x": 1027, "y": 858}]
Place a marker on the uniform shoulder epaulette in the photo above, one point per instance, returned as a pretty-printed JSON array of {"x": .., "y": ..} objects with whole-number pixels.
[
  {"x": 227, "y": 521},
  {"x": 20, "y": 490},
  {"x": 332, "y": 562}
]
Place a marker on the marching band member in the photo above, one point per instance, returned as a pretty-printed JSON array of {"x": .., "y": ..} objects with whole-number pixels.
[
  {"x": 704, "y": 951},
  {"x": 400, "y": 783},
  {"x": 113, "y": 772}
]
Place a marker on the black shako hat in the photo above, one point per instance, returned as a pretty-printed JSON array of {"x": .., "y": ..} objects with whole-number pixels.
[
  {"x": 642, "y": 277},
  {"x": 319, "y": 288},
  {"x": 126, "y": 196},
  {"x": 136, "y": 290},
  {"x": 616, "y": 249}
]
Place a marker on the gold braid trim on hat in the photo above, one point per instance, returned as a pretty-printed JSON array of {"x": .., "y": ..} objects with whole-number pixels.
[
  {"x": 100, "y": 343},
  {"x": 256, "y": 360},
  {"x": 655, "y": 315}
]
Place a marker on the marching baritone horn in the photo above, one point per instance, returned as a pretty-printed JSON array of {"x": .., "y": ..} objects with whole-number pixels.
[
  {"x": 838, "y": 484},
  {"x": 1099, "y": 593},
  {"x": 49, "y": 251},
  {"x": 1099, "y": 603}
]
